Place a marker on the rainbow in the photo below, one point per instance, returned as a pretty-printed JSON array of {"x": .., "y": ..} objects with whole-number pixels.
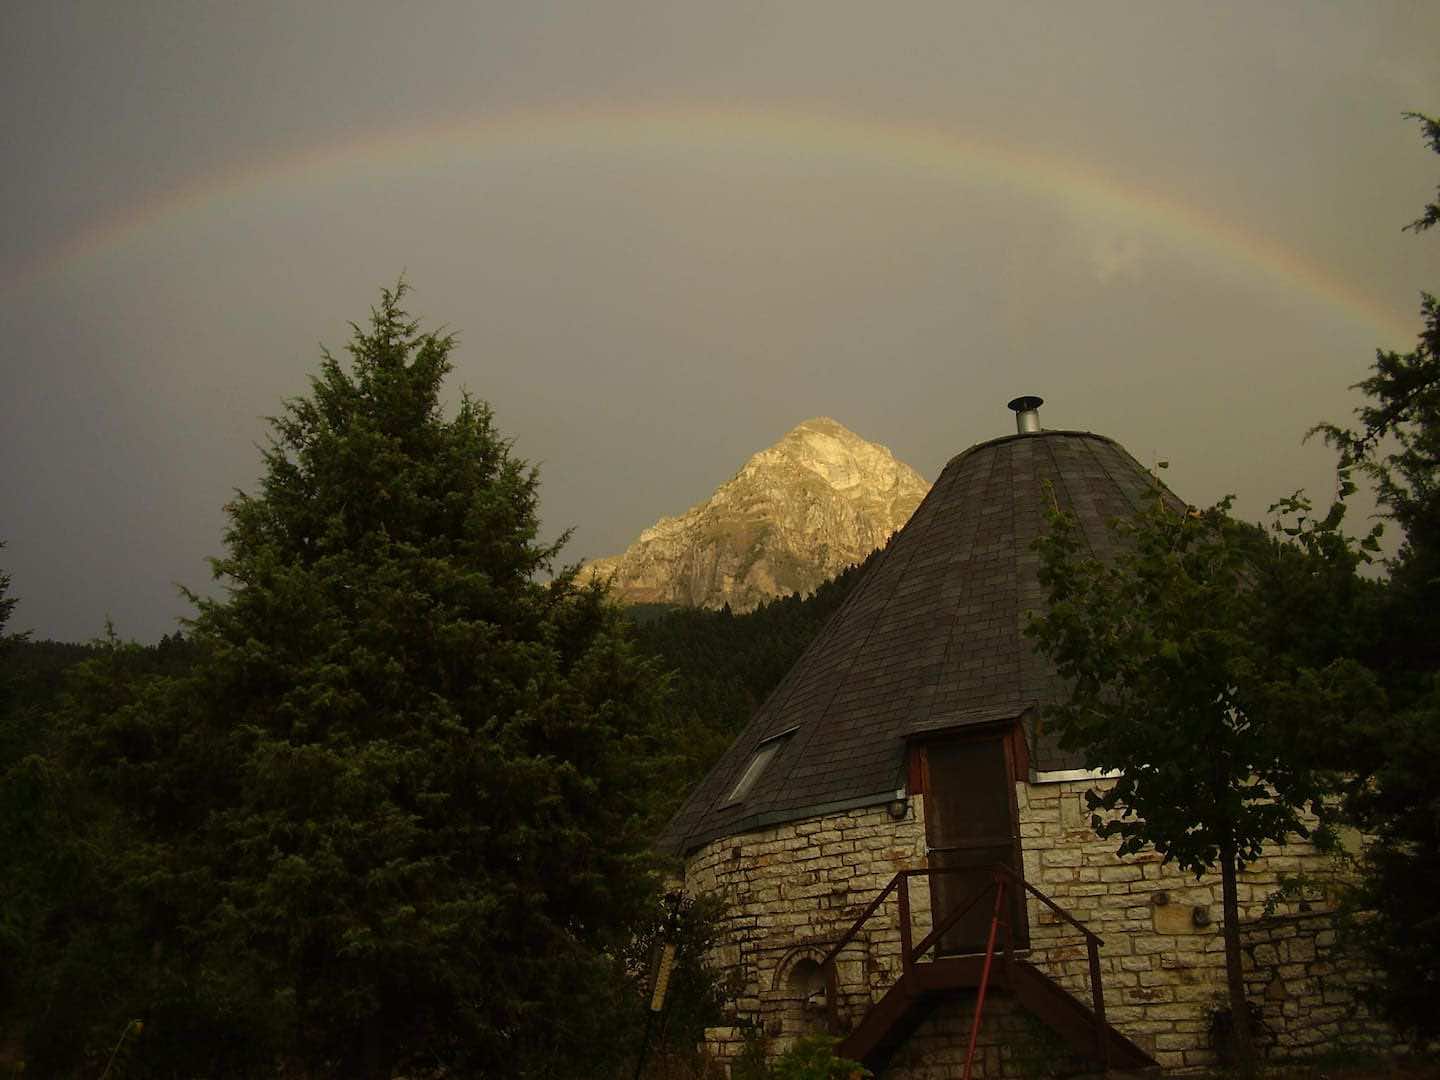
[{"x": 784, "y": 134}]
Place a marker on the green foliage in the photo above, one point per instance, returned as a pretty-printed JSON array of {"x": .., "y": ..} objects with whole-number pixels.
[
  {"x": 1202, "y": 663},
  {"x": 1396, "y": 445},
  {"x": 1399, "y": 809},
  {"x": 695, "y": 996},
  {"x": 17, "y": 801},
  {"x": 89, "y": 886},
  {"x": 391, "y": 810},
  {"x": 48, "y": 813},
  {"x": 1209, "y": 665},
  {"x": 76, "y": 877},
  {"x": 1430, "y": 129},
  {"x": 813, "y": 1058},
  {"x": 1395, "y": 794},
  {"x": 7, "y": 602},
  {"x": 750, "y": 1063},
  {"x": 36, "y": 671}
]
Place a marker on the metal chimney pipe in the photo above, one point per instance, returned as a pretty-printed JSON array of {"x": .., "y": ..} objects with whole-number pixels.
[{"x": 1027, "y": 414}]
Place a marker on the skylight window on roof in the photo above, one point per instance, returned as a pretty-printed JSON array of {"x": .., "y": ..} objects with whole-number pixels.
[{"x": 763, "y": 755}]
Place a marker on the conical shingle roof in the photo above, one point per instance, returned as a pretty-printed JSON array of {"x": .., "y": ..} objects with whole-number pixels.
[{"x": 931, "y": 639}]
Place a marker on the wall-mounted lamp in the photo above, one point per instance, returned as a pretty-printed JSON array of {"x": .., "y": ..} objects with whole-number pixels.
[{"x": 898, "y": 807}]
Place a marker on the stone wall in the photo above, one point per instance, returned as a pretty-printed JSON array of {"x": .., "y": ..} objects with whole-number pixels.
[
  {"x": 792, "y": 893},
  {"x": 793, "y": 890},
  {"x": 1163, "y": 961},
  {"x": 1012, "y": 1044},
  {"x": 1307, "y": 991}
]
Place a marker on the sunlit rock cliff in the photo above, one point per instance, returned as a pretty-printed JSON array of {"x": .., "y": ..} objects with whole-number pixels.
[{"x": 819, "y": 500}]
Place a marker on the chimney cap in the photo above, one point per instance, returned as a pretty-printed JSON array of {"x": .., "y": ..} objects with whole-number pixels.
[{"x": 1027, "y": 414}]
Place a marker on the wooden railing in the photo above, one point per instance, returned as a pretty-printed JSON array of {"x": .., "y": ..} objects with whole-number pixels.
[{"x": 1002, "y": 876}]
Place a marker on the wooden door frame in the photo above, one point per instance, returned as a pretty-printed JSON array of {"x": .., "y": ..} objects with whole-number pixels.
[{"x": 1011, "y": 736}]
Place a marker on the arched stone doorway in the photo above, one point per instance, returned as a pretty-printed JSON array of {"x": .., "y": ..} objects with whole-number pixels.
[{"x": 798, "y": 994}]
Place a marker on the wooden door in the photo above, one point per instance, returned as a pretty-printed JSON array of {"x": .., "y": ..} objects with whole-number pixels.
[{"x": 970, "y": 825}]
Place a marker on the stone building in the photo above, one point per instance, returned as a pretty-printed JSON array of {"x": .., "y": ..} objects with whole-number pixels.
[{"x": 906, "y": 740}]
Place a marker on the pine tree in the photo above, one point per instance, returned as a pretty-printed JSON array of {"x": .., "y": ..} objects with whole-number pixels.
[
  {"x": 1395, "y": 795},
  {"x": 393, "y": 814},
  {"x": 434, "y": 842}
]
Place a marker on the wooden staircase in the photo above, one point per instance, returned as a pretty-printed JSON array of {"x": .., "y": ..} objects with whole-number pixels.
[{"x": 924, "y": 983}]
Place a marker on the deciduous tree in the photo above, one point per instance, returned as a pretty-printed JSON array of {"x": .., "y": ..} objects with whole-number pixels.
[{"x": 1206, "y": 666}]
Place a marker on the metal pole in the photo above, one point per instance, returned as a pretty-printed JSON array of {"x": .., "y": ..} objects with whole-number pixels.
[
  {"x": 644, "y": 1044},
  {"x": 907, "y": 956},
  {"x": 985, "y": 971},
  {"x": 1097, "y": 994}
]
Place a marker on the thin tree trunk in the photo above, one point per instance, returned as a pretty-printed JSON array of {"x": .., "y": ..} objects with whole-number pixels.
[{"x": 1240, "y": 1033}]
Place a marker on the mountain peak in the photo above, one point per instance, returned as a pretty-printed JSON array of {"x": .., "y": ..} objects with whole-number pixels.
[
  {"x": 826, "y": 424},
  {"x": 825, "y": 428},
  {"x": 797, "y": 513}
]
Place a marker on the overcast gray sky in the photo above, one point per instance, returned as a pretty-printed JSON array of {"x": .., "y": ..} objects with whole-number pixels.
[{"x": 667, "y": 232}]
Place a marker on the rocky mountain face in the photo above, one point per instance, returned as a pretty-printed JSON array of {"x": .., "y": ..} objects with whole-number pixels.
[{"x": 796, "y": 514}]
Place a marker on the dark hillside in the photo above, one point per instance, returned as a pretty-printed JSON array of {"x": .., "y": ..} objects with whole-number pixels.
[{"x": 35, "y": 670}]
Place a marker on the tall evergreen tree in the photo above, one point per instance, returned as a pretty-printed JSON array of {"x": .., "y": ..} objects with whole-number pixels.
[
  {"x": 11, "y": 926},
  {"x": 1396, "y": 796},
  {"x": 394, "y": 811},
  {"x": 433, "y": 842}
]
